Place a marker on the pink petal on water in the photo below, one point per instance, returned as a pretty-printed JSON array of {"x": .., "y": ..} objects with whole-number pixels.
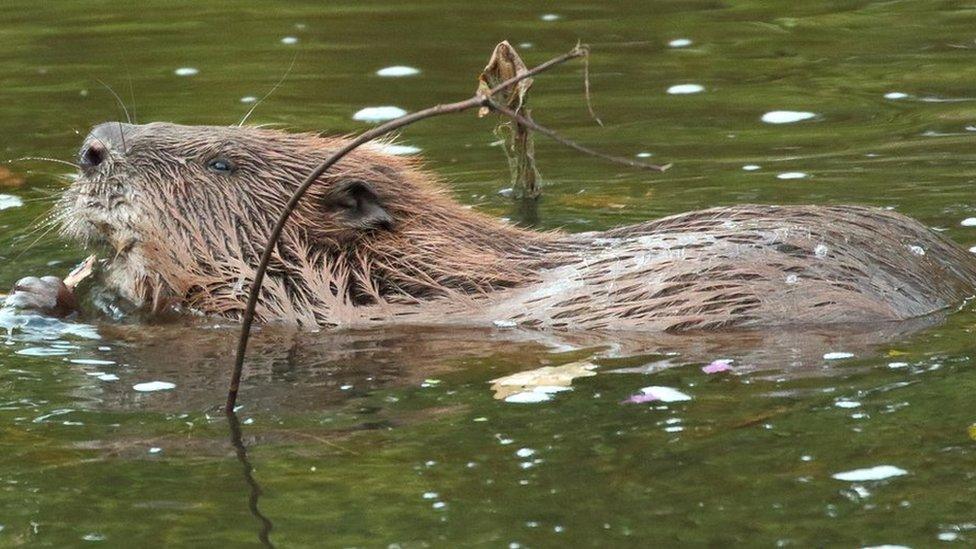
[{"x": 721, "y": 365}]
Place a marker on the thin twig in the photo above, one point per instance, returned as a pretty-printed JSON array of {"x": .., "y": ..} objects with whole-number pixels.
[
  {"x": 480, "y": 99},
  {"x": 586, "y": 89},
  {"x": 529, "y": 123}
]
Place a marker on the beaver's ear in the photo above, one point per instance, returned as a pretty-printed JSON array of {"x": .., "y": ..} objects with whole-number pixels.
[{"x": 356, "y": 206}]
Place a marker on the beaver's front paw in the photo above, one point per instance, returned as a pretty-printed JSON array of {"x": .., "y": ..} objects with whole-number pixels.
[{"x": 46, "y": 295}]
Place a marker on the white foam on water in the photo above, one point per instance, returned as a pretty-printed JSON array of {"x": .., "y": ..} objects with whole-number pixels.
[
  {"x": 685, "y": 89},
  {"x": 92, "y": 362},
  {"x": 665, "y": 394},
  {"x": 10, "y": 201},
  {"x": 397, "y": 71},
  {"x": 680, "y": 43},
  {"x": 792, "y": 175},
  {"x": 528, "y": 397},
  {"x": 786, "y": 117},
  {"x": 968, "y": 222},
  {"x": 186, "y": 71},
  {"x": 847, "y": 404},
  {"x": 378, "y": 114},
  {"x": 878, "y": 472},
  {"x": 152, "y": 386}
]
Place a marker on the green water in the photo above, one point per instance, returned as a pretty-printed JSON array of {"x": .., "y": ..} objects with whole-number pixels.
[{"x": 394, "y": 438}]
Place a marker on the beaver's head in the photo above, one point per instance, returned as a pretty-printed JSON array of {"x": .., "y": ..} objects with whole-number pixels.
[{"x": 185, "y": 211}]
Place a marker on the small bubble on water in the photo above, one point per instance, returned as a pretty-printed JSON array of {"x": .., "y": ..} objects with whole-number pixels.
[
  {"x": 751, "y": 167},
  {"x": 186, "y": 71},
  {"x": 896, "y": 95},
  {"x": 525, "y": 452},
  {"x": 430, "y": 495},
  {"x": 289, "y": 40},
  {"x": 551, "y": 17},
  {"x": 680, "y": 43},
  {"x": 249, "y": 99}
]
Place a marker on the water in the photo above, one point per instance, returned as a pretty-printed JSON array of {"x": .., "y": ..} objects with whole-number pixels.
[{"x": 375, "y": 439}]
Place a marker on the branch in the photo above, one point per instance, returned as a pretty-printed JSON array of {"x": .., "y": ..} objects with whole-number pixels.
[{"x": 481, "y": 99}]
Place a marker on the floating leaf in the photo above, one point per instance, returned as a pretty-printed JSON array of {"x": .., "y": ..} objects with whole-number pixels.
[{"x": 536, "y": 385}]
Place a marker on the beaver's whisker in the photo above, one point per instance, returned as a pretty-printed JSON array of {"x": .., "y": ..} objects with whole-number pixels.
[
  {"x": 30, "y": 246},
  {"x": 46, "y": 159},
  {"x": 132, "y": 97},
  {"x": 117, "y": 99},
  {"x": 273, "y": 89}
]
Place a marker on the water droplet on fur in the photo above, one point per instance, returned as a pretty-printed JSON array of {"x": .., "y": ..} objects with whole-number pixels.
[
  {"x": 792, "y": 279},
  {"x": 917, "y": 250},
  {"x": 786, "y": 117},
  {"x": 821, "y": 250}
]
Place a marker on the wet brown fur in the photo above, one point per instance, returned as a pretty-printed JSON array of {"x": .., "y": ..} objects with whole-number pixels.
[{"x": 187, "y": 237}]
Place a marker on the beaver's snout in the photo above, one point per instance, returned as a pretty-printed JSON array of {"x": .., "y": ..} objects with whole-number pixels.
[{"x": 103, "y": 139}]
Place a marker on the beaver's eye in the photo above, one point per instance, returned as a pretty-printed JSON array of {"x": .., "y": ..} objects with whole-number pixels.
[{"x": 220, "y": 165}]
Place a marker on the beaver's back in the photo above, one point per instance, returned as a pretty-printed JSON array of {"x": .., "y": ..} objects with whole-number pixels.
[{"x": 751, "y": 266}]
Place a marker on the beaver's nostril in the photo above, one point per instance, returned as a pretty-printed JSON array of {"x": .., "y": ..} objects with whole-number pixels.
[{"x": 93, "y": 155}]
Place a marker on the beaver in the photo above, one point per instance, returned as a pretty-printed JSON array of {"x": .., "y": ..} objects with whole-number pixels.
[{"x": 185, "y": 211}]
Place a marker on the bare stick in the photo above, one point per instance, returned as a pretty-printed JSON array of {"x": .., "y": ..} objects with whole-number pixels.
[
  {"x": 529, "y": 123},
  {"x": 481, "y": 99}
]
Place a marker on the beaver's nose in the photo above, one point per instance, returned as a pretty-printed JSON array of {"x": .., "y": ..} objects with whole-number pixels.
[{"x": 103, "y": 139}]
